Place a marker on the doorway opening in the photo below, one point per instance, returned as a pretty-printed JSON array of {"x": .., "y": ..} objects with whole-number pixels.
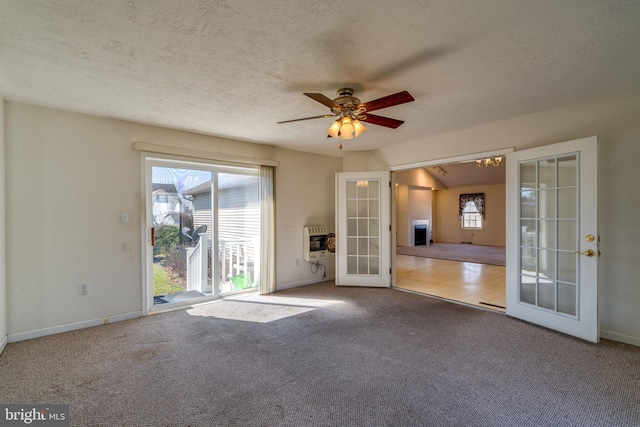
[
  {"x": 205, "y": 230},
  {"x": 457, "y": 263}
]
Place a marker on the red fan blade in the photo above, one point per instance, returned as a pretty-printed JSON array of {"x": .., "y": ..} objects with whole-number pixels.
[
  {"x": 388, "y": 101},
  {"x": 323, "y": 100},
  {"x": 309, "y": 118},
  {"x": 382, "y": 121}
]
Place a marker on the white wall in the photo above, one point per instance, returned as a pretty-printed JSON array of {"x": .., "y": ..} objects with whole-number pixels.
[
  {"x": 363, "y": 161},
  {"x": 3, "y": 270},
  {"x": 305, "y": 195},
  {"x": 448, "y": 228},
  {"x": 419, "y": 177},
  {"x": 412, "y": 203},
  {"x": 68, "y": 178},
  {"x": 615, "y": 120},
  {"x": 402, "y": 216}
]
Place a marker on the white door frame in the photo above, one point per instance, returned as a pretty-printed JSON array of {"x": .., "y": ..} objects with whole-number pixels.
[
  {"x": 380, "y": 222},
  {"x": 424, "y": 164},
  {"x": 147, "y": 161}
]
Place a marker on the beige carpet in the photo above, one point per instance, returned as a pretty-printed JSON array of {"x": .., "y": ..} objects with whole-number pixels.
[
  {"x": 322, "y": 355},
  {"x": 480, "y": 254}
]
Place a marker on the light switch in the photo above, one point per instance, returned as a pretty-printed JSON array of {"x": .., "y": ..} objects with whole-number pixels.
[{"x": 124, "y": 216}]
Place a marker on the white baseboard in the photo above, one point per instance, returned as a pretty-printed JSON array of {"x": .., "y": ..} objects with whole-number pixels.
[
  {"x": 3, "y": 344},
  {"x": 72, "y": 326},
  {"x": 614, "y": 336},
  {"x": 304, "y": 283}
]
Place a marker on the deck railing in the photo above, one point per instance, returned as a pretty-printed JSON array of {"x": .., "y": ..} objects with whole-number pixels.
[
  {"x": 197, "y": 259},
  {"x": 237, "y": 261}
]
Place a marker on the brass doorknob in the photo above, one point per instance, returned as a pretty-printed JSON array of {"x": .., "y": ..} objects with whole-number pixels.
[{"x": 588, "y": 252}]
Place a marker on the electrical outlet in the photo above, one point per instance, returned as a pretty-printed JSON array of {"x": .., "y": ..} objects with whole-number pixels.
[
  {"x": 84, "y": 289},
  {"x": 296, "y": 262}
]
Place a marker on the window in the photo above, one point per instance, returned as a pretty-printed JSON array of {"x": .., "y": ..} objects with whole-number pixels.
[
  {"x": 472, "y": 211},
  {"x": 471, "y": 218}
]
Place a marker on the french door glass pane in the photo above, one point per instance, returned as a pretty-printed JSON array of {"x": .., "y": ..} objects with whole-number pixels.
[
  {"x": 567, "y": 267},
  {"x": 374, "y": 227},
  {"x": 567, "y": 167},
  {"x": 352, "y": 190},
  {"x": 547, "y": 173},
  {"x": 528, "y": 289},
  {"x": 547, "y": 203},
  {"x": 352, "y": 208},
  {"x": 528, "y": 204},
  {"x": 546, "y": 294},
  {"x": 567, "y": 298},
  {"x": 528, "y": 260},
  {"x": 363, "y": 208},
  {"x": 374, "y": 265},
  {"x": 374, "y": 208},
  {"x": 546, "y": 264},
  {"x": 548, "y": 237},
  {"x": 547, "y": 234},
  {"x": 363, "y": 227},
  {"x": 567, "y": 234},
  {"x": 528, "y": 175},
  {"x": 567, "y": 202}
]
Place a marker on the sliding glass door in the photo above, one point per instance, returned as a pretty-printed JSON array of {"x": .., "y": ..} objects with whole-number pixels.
[{"x": 204, "y": 229}]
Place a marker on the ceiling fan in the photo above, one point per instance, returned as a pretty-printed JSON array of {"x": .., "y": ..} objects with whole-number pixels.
[{"x": 349, "y": 112}]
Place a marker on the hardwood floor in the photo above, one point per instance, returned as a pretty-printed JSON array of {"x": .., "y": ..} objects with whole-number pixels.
[{"x": 466, "y": 282}]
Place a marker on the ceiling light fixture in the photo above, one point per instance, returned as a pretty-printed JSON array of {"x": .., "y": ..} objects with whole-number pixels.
[
  {"x": 489, "y": 162},
  {"x": 440, "y": 170},
  {"x": 347, "y": 126},
  {"x": 349, "y": 111}
]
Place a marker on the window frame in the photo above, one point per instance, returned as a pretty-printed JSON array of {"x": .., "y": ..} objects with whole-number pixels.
[{"x": 477, "y": 213}]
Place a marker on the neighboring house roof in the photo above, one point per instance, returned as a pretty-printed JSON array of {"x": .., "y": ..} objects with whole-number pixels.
[
  {"x": 230, "y": 182},
  {"x": 169, "y": 188},
  {"x": 205, "y": 187}
]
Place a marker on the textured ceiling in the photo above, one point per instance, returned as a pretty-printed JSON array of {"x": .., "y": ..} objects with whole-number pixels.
[{"x": 234, "y": 68}]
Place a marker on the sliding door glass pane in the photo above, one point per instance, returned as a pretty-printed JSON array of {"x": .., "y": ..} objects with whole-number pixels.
[
  {"x": 207, "y": 229},
  {"x": 238, "y": 213},
  {"x": 178, "y": 243}
]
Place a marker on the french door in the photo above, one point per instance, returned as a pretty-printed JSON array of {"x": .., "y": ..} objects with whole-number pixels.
[
  {"x": 203, "y": 223},
  {"x": 363, "y": 229},
  {"x": 552, "y": 237}
]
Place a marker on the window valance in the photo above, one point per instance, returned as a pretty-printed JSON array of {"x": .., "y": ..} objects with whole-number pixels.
[
  {"x": 476, "y": 198},
  {"x": 200, "y": 154}
]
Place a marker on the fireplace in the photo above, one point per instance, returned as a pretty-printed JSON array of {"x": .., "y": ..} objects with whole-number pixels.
[{"x": 420, "y": 235}]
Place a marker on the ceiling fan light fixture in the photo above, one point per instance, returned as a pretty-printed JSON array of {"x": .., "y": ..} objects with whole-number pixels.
[
  {"x": 347, "y": 129},
  {"x": 349, "y": 111},
  {"x": 334, "y": 129},
  {"x": 358, "y": 127}
]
